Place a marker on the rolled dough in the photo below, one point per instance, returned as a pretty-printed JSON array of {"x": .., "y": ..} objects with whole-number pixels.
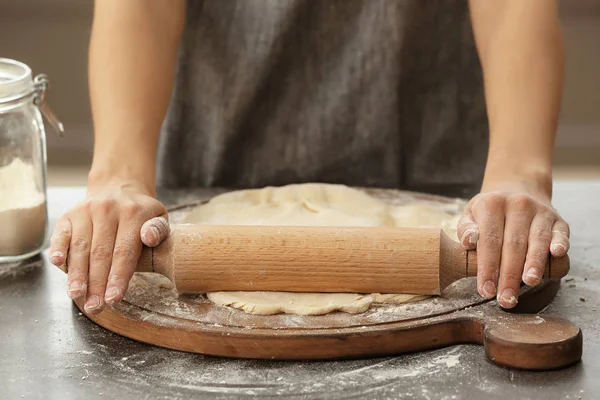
[
  {"x": 314, "y": 204},
  {"x": 267, "y": 303}
]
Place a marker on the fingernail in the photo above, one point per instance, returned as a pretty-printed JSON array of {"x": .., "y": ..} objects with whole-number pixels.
[
  {"x": 489, "y": 289},
  {"x": 474, "y": 238},
  {"x": 534, "y": 274},
  {"x": 112, "y": 294},
  {"x": 58, "y": 256},
  {"x": 92, "y": 304},
  {"x": 555, "y": 247},
  {"x": 151, "y": 235},
  {"x": 470, "y": 236},
  {"x": 76, "y": 289},
  {"x": 155, "y": 234},
  {"x": 508, "y": 298}
]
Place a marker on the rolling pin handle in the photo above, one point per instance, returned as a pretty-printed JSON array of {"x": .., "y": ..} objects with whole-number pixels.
[
  {"x": 471, "y": 263},
  {"x": 558, "y": 267},
  {"x": 146, "y": 260}
]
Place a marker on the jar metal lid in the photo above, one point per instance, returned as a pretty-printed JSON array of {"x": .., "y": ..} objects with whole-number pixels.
[
  {"x": 16, "y": 85},
  {"x": 15, "y": 80}
]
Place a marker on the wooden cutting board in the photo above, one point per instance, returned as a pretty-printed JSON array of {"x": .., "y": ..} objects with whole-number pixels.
[{"x": 153, "y": 313}]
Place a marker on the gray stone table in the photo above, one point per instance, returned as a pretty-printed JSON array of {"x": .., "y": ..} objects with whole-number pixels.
[{"x": 48, "y": 350}]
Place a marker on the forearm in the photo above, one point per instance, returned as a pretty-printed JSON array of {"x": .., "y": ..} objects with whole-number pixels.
[
  {"x": 521, "y": 52},
  {"x": 132, "y": 60}
]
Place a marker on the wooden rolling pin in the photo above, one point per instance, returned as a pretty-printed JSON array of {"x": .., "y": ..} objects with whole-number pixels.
[{"x": 205, "y": 258}]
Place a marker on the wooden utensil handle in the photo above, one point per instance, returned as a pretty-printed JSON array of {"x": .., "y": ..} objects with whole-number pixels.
[
  {"x": 556, "y": 267},
  {"x": 204, "y": 258}
]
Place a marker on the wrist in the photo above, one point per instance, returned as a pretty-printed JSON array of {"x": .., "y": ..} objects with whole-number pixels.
[
  {"x": 104, "y": 174},
  {"x": 532, "y": 177}
]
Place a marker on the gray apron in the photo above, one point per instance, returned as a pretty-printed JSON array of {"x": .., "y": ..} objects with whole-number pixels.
[{"x": 381, "y": 93}]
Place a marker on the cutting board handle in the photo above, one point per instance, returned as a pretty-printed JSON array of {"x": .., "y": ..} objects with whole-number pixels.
[{"x": 532, "y": 342}]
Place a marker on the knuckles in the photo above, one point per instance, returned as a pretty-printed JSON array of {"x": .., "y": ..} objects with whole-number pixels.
[
  {"x": 120, "y": 278},
  {"x": 61, "y": 232},
  {"x": 81, "y": 245},
  {"x": 123, "y": 252},
  {"x": 521, "y": 202},
  {"x": 492, "y": 239},
  {"x": 60, "y": 236},
  {"x": 516, "y": 242},
  {"x": 492, "y": 202},
  {"x": 130, "y": 210},
  {"x": 542, "y": 235},
  {"x": 102, "y": 206},
  {"x": 100, "y": 252}
]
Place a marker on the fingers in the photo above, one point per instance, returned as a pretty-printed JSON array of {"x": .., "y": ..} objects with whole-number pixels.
[
  {"x": 517, "y": 232},
  {"x": 105, "y": 222},
  {"x": 520, "y": 211},
  {"x": 79, "y": 253},
  {"x": 539, "y": 248},
  {"x": 155, "y": 231},
  {"x": 560, "y": 239},
  {"x": 488, "y": 212},
  {"x": 59, "y": 243},
  {"x": 100, "y": 242},
  {"x": 127, "y": 250},
  {"x": 467, "y": 230}
]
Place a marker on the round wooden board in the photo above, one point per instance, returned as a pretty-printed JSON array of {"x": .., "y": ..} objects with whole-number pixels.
[{"x": 152, "y": 312}]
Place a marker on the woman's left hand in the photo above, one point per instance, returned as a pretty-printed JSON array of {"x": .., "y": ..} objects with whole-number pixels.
[{"x": 514, "y": 228}]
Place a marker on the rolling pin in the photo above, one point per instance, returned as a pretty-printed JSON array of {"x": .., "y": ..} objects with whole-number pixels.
[{"x": 207, "y": 258}]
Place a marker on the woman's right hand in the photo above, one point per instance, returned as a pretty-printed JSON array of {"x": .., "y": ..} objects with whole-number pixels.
[{"x": 101, "y": 240}]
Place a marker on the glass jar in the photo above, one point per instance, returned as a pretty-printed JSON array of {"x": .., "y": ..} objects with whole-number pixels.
[{"x": 23, "y": 209}]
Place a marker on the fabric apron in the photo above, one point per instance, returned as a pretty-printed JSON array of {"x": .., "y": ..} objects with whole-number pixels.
[{"x": 380, "y": 93}]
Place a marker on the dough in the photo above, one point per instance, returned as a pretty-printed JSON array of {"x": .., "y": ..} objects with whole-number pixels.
[
  {"x": 397, "y": 298},
  {"x": 315, "y": 204},
  {"x": 306, "y": 204},
  {"x": 267, "y": 303}
]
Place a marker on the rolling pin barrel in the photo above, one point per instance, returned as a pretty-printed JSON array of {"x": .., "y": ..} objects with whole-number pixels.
[{"x": 205, "y": 258}]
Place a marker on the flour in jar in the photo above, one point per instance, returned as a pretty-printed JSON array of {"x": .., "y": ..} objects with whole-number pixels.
[{"x": 22, "y": 209}]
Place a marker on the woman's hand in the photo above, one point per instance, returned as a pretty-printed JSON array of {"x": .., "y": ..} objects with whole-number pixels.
[
  {"x": 511, "y": 222},
  {"x": 101, "y": 240},
  {"x": 514, "y": 228}
]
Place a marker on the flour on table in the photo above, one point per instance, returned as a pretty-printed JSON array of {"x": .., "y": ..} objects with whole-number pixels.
[{"x": 314, "y": 204}]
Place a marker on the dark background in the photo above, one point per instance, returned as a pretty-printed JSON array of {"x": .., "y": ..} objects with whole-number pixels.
[{"x": 52, "y": 37}]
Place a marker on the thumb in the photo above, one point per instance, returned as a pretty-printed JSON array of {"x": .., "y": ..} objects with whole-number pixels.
[
  {"x": 467, "y": 230},
  {"x": 155, "y": 230}
]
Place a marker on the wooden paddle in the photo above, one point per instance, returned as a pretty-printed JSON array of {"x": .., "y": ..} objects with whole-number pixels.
[{"x": 206, "y": 258}]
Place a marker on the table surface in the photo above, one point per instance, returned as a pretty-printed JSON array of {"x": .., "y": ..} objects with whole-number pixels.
[{"x": 48, "y": 349}]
